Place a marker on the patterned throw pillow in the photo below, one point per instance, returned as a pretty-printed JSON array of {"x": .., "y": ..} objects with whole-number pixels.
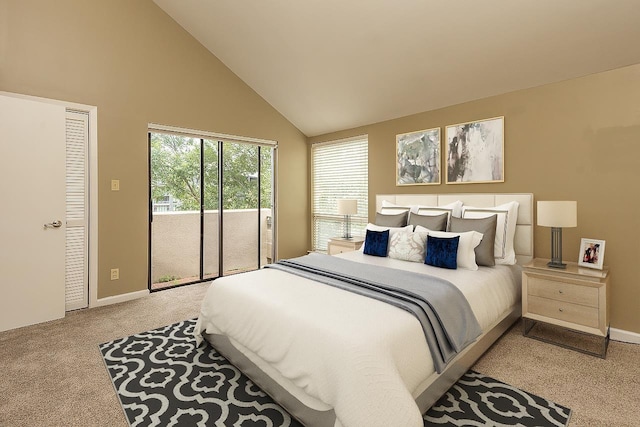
[
  {"x": 442, "y": 252},
  {"x": 376, "y": 243},
  {"x": 408, "y": 246}
]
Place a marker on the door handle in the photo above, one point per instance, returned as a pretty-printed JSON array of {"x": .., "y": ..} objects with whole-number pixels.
[{"x": 54, "y": 224}]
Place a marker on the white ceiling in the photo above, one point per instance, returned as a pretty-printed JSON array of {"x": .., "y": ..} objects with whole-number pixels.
[{"x": 328, "y": 65}]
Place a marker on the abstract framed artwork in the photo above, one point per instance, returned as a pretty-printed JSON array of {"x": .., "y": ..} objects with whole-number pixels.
[
  {"x": 475, "y": 152},
  {"x": 418, "y": 157},
  {"x": 591, "y": 253}
]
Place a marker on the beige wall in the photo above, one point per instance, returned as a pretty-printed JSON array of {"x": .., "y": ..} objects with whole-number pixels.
[
  {"x": 138, "y": 66},
  {"x": 574, "y": 140}
]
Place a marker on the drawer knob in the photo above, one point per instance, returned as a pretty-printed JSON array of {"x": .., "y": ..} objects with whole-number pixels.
[
  {"x": 561, "y": 310},
  {"x": 561, "y": 291}
]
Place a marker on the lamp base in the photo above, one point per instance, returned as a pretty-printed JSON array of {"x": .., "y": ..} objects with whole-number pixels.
[
  {"x": 555, "y": 264},
  {"x": 556, "y": 249},
  {"x": 347, "y": 228}
]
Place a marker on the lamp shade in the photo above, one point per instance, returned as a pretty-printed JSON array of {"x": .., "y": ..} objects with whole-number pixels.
[
  {"x": 558, "y": 214},
  {"x": 347, "y": 206}
]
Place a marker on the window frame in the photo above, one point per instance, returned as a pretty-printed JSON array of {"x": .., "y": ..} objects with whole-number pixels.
[{"x": 328, "y": 212}]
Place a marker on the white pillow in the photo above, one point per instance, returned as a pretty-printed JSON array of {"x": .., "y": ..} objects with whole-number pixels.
[
  {"x": 392, "y": 231},
  {"x": 390, "y": 208},
  {"x": 466, "y": 256},
  {"x": 503, "y": 249},
  {"x": 408, "y": 246},
  {"x": 453, "y": 209}
]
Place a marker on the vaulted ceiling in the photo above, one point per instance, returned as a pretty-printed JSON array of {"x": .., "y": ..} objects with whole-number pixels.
[{"x": 328, "y": 65}]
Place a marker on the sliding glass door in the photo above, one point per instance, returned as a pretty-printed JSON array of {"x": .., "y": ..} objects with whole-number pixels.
[
  {"x": 199, "y": 229},
  {"x": 247, "y": 206}
]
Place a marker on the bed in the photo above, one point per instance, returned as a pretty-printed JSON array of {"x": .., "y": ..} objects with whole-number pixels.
[{"x": 335, "y": 358}]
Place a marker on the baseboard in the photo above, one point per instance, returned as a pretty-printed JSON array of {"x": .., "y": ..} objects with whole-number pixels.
[
  {"x": 624, "y": 336},
  {"x": 120, "y": 298}
]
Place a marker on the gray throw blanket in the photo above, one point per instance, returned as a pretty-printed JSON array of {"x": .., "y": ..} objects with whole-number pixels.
[{"x": 448, "y": 323}]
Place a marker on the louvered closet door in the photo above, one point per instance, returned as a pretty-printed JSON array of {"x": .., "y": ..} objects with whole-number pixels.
[{"x": 76, "y": 254}]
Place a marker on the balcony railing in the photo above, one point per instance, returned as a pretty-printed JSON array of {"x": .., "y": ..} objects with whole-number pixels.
[{"x": 175, "y": 250}]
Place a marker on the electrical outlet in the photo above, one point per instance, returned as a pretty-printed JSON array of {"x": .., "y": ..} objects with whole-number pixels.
[
  {"x": 115, "y": 185},
  {"x": 115, "y": 273}
]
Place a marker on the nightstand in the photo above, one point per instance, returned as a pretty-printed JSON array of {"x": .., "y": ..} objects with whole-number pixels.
[
  {"x": 338, "y": 245},
  {"x": 575, "y": 298}
]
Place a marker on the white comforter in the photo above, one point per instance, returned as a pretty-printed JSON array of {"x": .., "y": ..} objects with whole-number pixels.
[{"x": 335, "y": 349}]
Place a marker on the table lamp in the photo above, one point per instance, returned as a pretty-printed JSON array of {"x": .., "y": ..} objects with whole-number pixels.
[
  {"x": 347, "y": 207},
  {"x": 557, "y": 215}
]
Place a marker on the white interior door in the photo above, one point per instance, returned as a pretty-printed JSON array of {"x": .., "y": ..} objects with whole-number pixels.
[{"x": 32, "y": 188}]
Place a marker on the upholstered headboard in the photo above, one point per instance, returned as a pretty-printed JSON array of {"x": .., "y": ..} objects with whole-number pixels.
[{"x": 523, "y": 241}]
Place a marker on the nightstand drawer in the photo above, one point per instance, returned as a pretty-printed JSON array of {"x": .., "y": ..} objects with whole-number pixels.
[
  {"x": 583, "y": 295},
  {"x": 568, "y": 312},
  {"x": 337, "y": 249},
  {"x": 337, "y": 245}
]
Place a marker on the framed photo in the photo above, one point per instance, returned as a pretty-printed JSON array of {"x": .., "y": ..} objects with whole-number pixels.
[
  {"x": 591, "y": 253},
  {"x": 475, "y": 152},
  {"x": 418, "y": 157}
]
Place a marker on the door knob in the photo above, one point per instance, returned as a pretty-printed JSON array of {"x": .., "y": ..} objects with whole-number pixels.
[{"x": 54, "y": 224}]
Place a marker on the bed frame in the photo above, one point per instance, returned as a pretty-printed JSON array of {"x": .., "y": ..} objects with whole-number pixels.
[{"x": 437, "y": 384}]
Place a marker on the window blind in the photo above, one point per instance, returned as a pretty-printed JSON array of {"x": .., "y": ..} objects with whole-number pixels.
[{"x": 339, "y": 171}]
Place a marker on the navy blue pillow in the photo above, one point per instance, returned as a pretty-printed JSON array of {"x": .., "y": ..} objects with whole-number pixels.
[
  {"x": 376, "y": 243},
  {"x": 442, "y": 252}
]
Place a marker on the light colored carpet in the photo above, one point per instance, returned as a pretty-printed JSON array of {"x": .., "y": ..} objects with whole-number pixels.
[
  {"x": 600, "y": 392},
  {"x": 52, "y": 374}
]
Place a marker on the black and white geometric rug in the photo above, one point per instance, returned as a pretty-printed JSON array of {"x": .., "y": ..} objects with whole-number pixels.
[
  {"x": 162, "y": 379},
  {"x": 478, "y": 400}
]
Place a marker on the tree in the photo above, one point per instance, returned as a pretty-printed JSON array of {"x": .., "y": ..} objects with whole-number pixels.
[{"x": 175, "y": 172}]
